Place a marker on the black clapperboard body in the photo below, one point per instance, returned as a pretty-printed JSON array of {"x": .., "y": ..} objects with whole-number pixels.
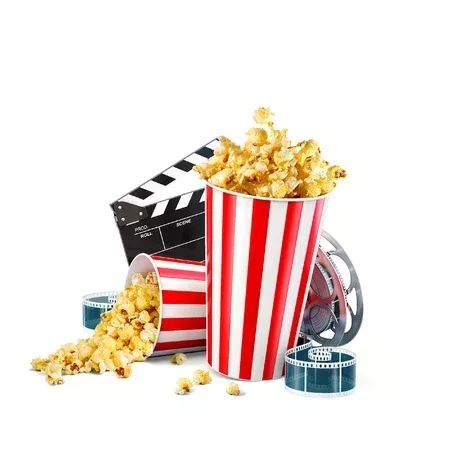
[{"x": 166, "y": 214}]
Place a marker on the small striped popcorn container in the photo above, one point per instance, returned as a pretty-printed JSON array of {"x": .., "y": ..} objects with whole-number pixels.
[
  {"x": 260, "y": 259},
  {"x": 182, "y": 326}
]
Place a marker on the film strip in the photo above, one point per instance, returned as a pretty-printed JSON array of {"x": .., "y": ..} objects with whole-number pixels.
[
  {"x": 334, "y": 309},
  {"x": 96, "y": 304},
  {"x": 165, "y": 215},
  {"x": 320, "y": 371}
]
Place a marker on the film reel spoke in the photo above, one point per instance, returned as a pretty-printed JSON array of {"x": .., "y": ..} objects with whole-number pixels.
[{"x": 328, "y": 309}]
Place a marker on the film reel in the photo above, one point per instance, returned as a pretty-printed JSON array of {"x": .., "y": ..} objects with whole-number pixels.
[
  {"x": 320, "y": 371},
  {"x": 334, "y": 309}
]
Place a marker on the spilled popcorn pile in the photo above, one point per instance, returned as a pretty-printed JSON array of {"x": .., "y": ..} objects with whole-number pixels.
[
  {"x": 126, "y": 334},
  {"x": 269, "y": 165}
]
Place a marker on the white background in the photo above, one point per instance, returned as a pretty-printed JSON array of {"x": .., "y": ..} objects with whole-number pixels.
[{"x": 97, "y": 96}]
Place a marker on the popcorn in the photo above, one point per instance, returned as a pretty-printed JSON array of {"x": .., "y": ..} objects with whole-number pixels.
[
  {"x": 184, "y": 386},
  {"x": 263, "y": 116},
  {"x": 40, "y": 364},
  {"x": 53, "y": 373},
  {"x": 151, "y": 278},
  {"x": 269, "y": 165},
  {"x": 126, "y": 334},
  {"x": 178, "y": 358},
  {"x": 233, "y": 389},
  {"x": 202, "y": 377},
  {"x": 137, "y": 279},
  {"x": 124, "y": 372}
]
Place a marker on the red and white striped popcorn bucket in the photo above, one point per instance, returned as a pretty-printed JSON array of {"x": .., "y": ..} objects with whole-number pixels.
[
  {"x": 260, "y": 259},
  {"x": 182, "y": 325}
]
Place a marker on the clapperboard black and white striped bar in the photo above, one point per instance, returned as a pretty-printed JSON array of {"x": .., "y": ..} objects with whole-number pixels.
[{"x": 165, "y": 215}]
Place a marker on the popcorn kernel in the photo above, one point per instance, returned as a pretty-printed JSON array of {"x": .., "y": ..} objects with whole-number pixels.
[
  {"x": 184, "y": 386},
  {"x": 178, "y": 358},
  {"x": 202, "y": 377},
  {"x": 233, "y": 389},
  {"x": 124, "y": 372},
  {"x": 269, "y": 165}
]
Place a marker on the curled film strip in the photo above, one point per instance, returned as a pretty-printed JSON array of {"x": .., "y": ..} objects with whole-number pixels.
[
  {"x": 334, "y": 309},
  {"x": 96, "y": 304},
  {"x": 320, "y": 371}
]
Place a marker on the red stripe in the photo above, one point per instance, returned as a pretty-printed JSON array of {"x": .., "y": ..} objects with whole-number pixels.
[
  {"x": 184, "y": 274},
  {"x": 228, "y": 224},
  {"x": 175, "y": 260},
  {"x": 257, "y": 248},
  {"x": 183, "y": 298},
  {"x": 209, "y": 205},
  {"x": 307, "y": 266},
  {"x": 174, "y": 345},
  {"x": 183, "y": 323},
  {"x": 291, "y": 226}
]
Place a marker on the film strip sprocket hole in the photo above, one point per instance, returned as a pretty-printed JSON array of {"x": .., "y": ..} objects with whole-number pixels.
[{"x": 320, "y": 371}]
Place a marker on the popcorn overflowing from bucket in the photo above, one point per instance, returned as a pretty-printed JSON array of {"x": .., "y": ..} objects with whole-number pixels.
[
  {"x": 126, "y": 334},
  {"x": 269, "y": 165}
]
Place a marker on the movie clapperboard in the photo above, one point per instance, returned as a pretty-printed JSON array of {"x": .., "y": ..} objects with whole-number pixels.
[{"x": 166, "y": 214}]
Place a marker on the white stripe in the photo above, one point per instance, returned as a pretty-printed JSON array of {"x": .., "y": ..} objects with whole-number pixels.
[
  {"x": 275, "y": 230},
  {"x": 294, "y": 283},
  {"x": 195, "y": 158},
  {"x": 244, "y": 208},
  {"x": 174, "y": 172},
  {"x": 180, "y": 284},
  {"x": 177, "y": 350},
  {"x": 184, "y": 200},
  {"x": 181, "y": 335},
  {"x": 217, "y": 213},
  {"x": 161, "y": 264},
  {"x": 202, "y": 198},
  {"x": 160, "y": 208},
  {"x": 324, "y": 210},
  {"x": 213, "y": 145},
  {"x": 153, "y": 186},
  {"x": 134, "y": 201},
  {"x": 172, "y": 311}
]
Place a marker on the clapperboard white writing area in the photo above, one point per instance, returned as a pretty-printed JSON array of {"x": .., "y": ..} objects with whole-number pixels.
[{"x": 166, "y": 214}]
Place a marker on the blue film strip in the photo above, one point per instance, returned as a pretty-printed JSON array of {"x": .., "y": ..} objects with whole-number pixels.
[
  {"x": 320, "y": 371},
  {"x": 96, "y": 304}
]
